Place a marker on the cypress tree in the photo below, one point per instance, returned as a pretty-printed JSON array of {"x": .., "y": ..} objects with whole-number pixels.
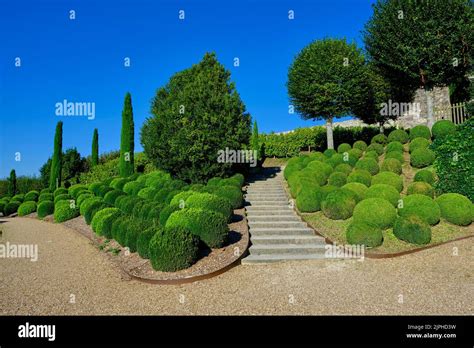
[
  {"x": 254, "y": 142},
  {"x": 55, "y": 175},
  {"x": 12, "y": 183},
  {"x": 126, "y": 166},
  {"x": 95, "y": 148}
]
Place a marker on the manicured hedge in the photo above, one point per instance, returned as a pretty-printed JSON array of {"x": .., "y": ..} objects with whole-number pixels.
[
  {"x": 18, "y": 198},
  {"x": 360, "y": 144},
  {"x": 372, "y": 154},
  {"x": 422, "y": 188},
  {"x": 418, "y": 143},
  {"x": 119, "y": 228},
  {"x": 60, "y": 191},
  {"x": 231, "y": 193},
  {"x": 62, "y": 197},
  {"x": 147, "y": 193},
  {"x": 384, "y": 191},
  {"x": 64, "y": 211},
  {"x": 11, "y": 207},
  {"x": 395, "y": 154},
  {"x": 133, "y": 187},
  {"x": 339, "y": 204},
  {"x": 343, "y": 168},
  {"x": 32, "y": 196},
  {"x": 309, "y": 200},
  {"x": 455, "y": 208},
  {"x": 181, "y": 198},
  {"x": 329, "y": 153},
  {"x": 357, "y": 188},
  {"x": 360, "y": 175},
  {"x": 443, "y": 128},
  {"x": 143, "y": 241},
  {"x": 75, "y": 190},
  {"x": 317, "y": 156},
  {"x": 398, "y": 135},
  {"x": 391, "y": 165},
  {"x": 45, "y": 208},
  {"x": 368, "y": 164},
  {"x": 421, "y": 206},
  {"x": 412, "y": 229},
  {"x": 337, "y": 179},
  {"x": 83, "y": 196},
  {"x": 388, "y": 178},
  {"x": 103, "y": 220},
  {"x": 321, "y": 168},
  {"x": 394, "y": 146},
  {"x": 119, "y": 183},
  {"x": 111, "y": 196},
  {"x": 344, "y": 147},
  {"x": 103, "y": 190},
  {"x": 45, "y": 190},
  {"x": 46, "y": 197},
  {"x": 132, "y": 229},
  {"x": 207, "y": 201},
  {"x": 422, "y": 157},
  {"x": 420, "y": 131},
  {"x": 425, "y": 175},
  {"x": 379, "y": 139},
  {"x": 359, "y": 233},
  {"x": 166, "y": 212},
  {"x": 375, "y": 212},
  {"x": 26, "y": 208},
  {"x": 90, "y": 206},
  {"x": 375, "y": 147}
]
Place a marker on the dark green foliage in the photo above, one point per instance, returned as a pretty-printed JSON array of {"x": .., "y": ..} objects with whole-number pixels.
[
  {"x": 420, "y": 131},
  {"x": 62, "y": 197},
  {"x": 344, "y": 147},
  {"x": 56, "y": 164},
  {"x": 12, "y": 185},
  {"x": 11, "y": 207},
  {"x": 357, "y": 188},
  {"x": 376, "y": 147},
  {"x": 46, "y": 190},
  {"x": 398, "y": 135},
  {"x": 379, "y": 139},
  {"x": 394, "y": 146},
  {"x": 337, "y": 179},
  {"x": 355, "y": 152},
  {"x": 64, "y": 210},
  {"x": 95, "y": 148},
  {"x": 32, "y": 196},
  {"x": 368, "y": 164},
  {"x": 46, "y": 197},
  {"x": 119, "y": 183},
  {"x": 420, "y": 187},
  {"x": 329, "y": 152},
  {"x": 181, "y": 198},
  {"x": 147, "y": 193},
  {"x": 143, "y": 241},
  {"x": 94, "y": 187},
  {"x": 359, "y": 233},
  {"x": 26, "y": 208},
  {"x": 173, "y": 249},
  {"x": 92, "y": 209},
  {"x": 127, "y": 142},
  {"x": 103, "y": 190},
  {"x": 422, "y": 157},
  {"x": 360, "y": 175},
  {"x": 339, "y": 204},
  {"x": 425, "y": 175},
  {"x": 133, "y": 228},
  {"x": 72, "y": 165},
  {"x": 375, "y": 212},
  {"x": 231, "y": 193},
  {"x": 309, "y": 200},
  {"x": 83, "y": 196},
  {"x": 88, "y": 202},
  {"x": 111, "y": 196},
  {"x": 133, "y": 187},
  {"x": 45, "y": 208},
  {"x": 455, "y": 208},
  {"x": 119, "y": 228},
  {"x": 137, "y": 208},
  {"x": 419, "y": 143},
  {"x": 20, "y": 197},
  {"x": 127, "y": 203},
  {"x": 420, "y": 205},
  {"x": 207, "y": 201},
  {"x": 372, "y": 154},
  {"x": 60, "y": 191},
  {"x": 388, "y": 178},
  {"x": 360, "y": 144},
  {"x": 75, "y": 190},
  {"x": 395, "y": 154},
  {"x": 384, "y": 191},
  {"x": 391, "y": 165},
  {"x": 443, "y": 128},
  {"x": 412, "y": 229},
  {"x": 166, "y": 212},
  {"x": 185, "y": 141},
  {"x": 103, "y": 219}
]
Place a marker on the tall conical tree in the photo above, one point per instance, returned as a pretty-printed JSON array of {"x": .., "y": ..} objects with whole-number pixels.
[
  {"x": 254, "y": 142},
  {"x": 127, "y": 144},
  {"x": 55, "y": 175},
  {"x": 95, "y": 148},
  {"x": 12, "y": 190}
]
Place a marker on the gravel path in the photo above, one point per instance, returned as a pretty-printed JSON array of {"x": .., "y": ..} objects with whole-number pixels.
[{"x": 430, "y": 282}]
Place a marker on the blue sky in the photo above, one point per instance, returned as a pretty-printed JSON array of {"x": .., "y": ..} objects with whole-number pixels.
[{"x": 82, "y": 60}]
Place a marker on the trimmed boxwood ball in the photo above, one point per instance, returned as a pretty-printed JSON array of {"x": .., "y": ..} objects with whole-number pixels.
[
  {"x": 337, "y": 179},
  {"x": 143, "y": 241},
  {"x": 119, "y": 229},
  {"x": 292, "y": 168},
  {"x": 45, "y": 208},
  {"x": 173, "y": 249},
  {"x": 398, "y": 135},
  {"x": 133, "y": 228},
  {"x": 357, "y": 188},
  {"x": 418, "y": 143},
  {"x": 422, "y": 188},
  {"x": 379, "y": 139},
  {"x": 207, "y": 201},
  {"x": 420, "y": 131},
  {"x": 360, "y": 175},
  {"x": 231, "y": 193},
  {"x": 240, "y": 179},
  {"x": 339, "y": 204},
  {"x": 94, "y": 187},
  {"x": 335, "y": 160},
  {"x": 166, "y": 212},
  {"x": 384, "y": 191},
  {"x": 317, "y": 156},
  {"x": 455, "y": 208},
  {"x": 46, "y": 197},
  {"x": 74, "y": 190},
  {"x": 421, "y": 206},
  {"x": 425, "y": 175},
  {"x": 388, "y": 178},
  {"x": 375, "y": 212},
  {"x": 118, "y": 183},
  {"x": 422, "y": 157},
  {"x": 18, "y": 198},
  {"x": 344, "y": 147},
  {"x": 82, "y": 197},
  {"x": 329, "y": 153},
  {"x": 376, "y": 147},
  {"x": 359, "y": 233},
  {"x": 360, "y": 144},
  {"x": 210, "y": 226},
  {"x": 391, "y": 165},
  {"x": 371, "y": 154},
  {"x": 111, "y": 196},
  {"x": 133, "y": 187},
  {"x": 412, "y": 229},
  {"x": 2, "y": 205},
  {"x": 343, "y": 168},
  {"x": 64, "y": 211},
  {"x": 26, "y": 208},
  {"x": 395, "y": 154},
  {"x": 102, "y": 221},
  {"x": 355, "y": 152},
  {"x": 321, "y": 167},
  {"x": 368, "y": 164},
  {"x": 32, "y": 196},
  {"x": 147, "y": 193},
  {"x": 45, "y": 190},
  {"x": 309, "y": 200},
  {"x": 442, "y": 128},
  {"x": 103, "y": 190},
  {"x": 214, "y": 181},
  {"x": 230, "y": 181},
  {"x": 306, "y": 176},
  {"x": 163, "y": 193},
  {"x": 181, "y": 198},
  {"x": 394, "y": 146},
  {"x": 62, "y": 197},
  {"x": 60, "y": 191},
  {"x": 11, "y": 208}
]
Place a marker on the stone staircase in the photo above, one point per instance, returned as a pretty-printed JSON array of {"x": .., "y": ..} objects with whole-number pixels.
[{"x": 277, "y": 233}]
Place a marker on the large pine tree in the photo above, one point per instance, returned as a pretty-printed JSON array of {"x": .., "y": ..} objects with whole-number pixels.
[
  {"x": 55, "y": 175},
  {"x": 95, "y": 148},
  {"x": 127, "y": 143}
]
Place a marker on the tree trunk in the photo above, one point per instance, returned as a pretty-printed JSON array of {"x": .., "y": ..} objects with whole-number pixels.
[
  {"x": 429, "y": 105},
  {"x": 381, "y": 128},
  {"x": 329, "y": 133}
]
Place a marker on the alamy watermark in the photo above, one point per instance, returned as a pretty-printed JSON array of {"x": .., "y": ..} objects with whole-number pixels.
[
  {"x": 335, "y": 251},
  {"x": 26, "y": 251},
  {"x": 399, "y": 109},
  {"x": 67, "y": 108},
  {"x": 237, "y": 156}
]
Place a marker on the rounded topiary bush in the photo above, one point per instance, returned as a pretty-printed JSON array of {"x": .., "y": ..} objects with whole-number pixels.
[
  {"x": 355, "y": 152},
  {"x": 383, "y": 191},
  {"x": 395, "y": 154},
  {"x": 103, "y": 190},
  {"x": 173, "y": 249},
  {"x": 359, "y": 233},
  {"x": 425, "y": 175},
  {"x": 339, "y": 204},
  {"x": 32, "y": 196},
  {"x": 180, "y": 198},
  {"x": 309, "y": 200},
  {"x": 398, "y": 135},
  {"x": 317, "y": 156},
  {"x": 375, "y": 212},
  {"x": 360, "y": 175},
  {"x": 343, "y": 168},
  {"x": 442, "y": 128},
  {"x": 91, "y": 208},
  {"x": 103, "y": 220},
  {"x": 26, "y": 208},
  {"x": 18, "y": 198},
  {"x": 64, "y": 210},
  {"x": 394, "y": 146},
  {"x": 368, "y": 164},
  {"x": 208, "y": 201},
  {"x": 371, "y": 154},
  {"x": 291, "y": 168},
  {"x": 143, "y": 241},
  {"x": 74, "y": 190},
  {"x": 420, "y": 131},
  {"x": 60, "y": 191},
  {"x": 391, "y": 165},
  {"x": 46, "y": 197},
  {"x": 375, "y": 147},
  {"x": 11, "y": 208},
  {"x": 321, "y": 167},
  {"x": 45, "y": 190},
  {"x": 412, "y": 229},
  {"x": 231, "y": 193},
  {"x": 147, "y": 193},
  {"x": 118, "y": 183},
  {"x": 329, "y": 153},
  {"x": 360, "y": 144},
  {"x": 83, "y": 196},
  {"x": 133, "y": 187},
  {"x": 357, "y": 188},
  {"x": 455, "y": 208},
  {"x": 2, "y": 205},
  {"x": 111, "y": 196},
  {"x": 418, "y": 143},
  {"x": 421, "y": 206},
  {"x": 166, "y": 212},
  {"x": 62, "y": 197},
  {"x": 388, "y": 178},
  {"x": 337, "y": 179},
  {"x": 344, "y": 147},
  {"x": 379, "y": 139},
  {"x": 131, "y": 230},
  {"x": 45, "y": 208},
  {"x": 118, "y": 228},
  {"x": 422, "y": 157},
  {"x": 420, "y": 187},
  {"x": 337, "y": 159}
]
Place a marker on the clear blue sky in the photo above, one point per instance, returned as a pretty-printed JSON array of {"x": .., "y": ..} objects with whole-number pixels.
[{"x": 81, "y": 60}]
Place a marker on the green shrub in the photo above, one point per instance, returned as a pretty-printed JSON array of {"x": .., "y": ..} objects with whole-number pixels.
[
  {"x": 82, "y": 197},
  {"x": 360, "y": 175},
  {"x": 422, "y": 157},
  {"x": 321, "y": 167},
  {"x": 181, "y": 198},
  {"x": 309, "y": 200},
  {"x": 360, "y": 144},
  {"x": 26, "y": 208},
  {"x": 368, "y": 164},
  {"x": 292, "y": 168},
  {"x": 207, "y": 201},
  {"x": 45, "y": 208},
  {"x": 395, "y": 154},
  {"x": 419, "y": 143},
  {"x": 163, "y": 193},
  {"x": 143, "y": 241},
  {"x": 240, "y": 179},
  {"x": 60, "y": 191},
  {"x": 133, "y": 187},
  {"x": 384, "y": 191},
  {"x": 422, "y": 188},
  {"x": 425, "y": 175},
  {"x": 421, "y": 206},
  {"x": 2, "y": 205},
  {"x": 375, "y": 212},
  {"x": 103, "y": 190},
  {"x": 359, "y": 233},
  {"x": 46, "y": 197},
  {"x": 18, "y": 198},
  {"x": 338, "y": 158},
  {"x": 343, "y": 168},
  {"x": 344, "y": 147},
  {"x": 388, "y": 178},
  {"x": 379, "y": 139},
  {"x": 398, "y": 135},
  {"x": 147, "y": 193},
  {"x": 62, "y": 197},
  {"x": 357, "y": 188},
  {"x": 339, "y": 204},
  {"x": 394, "y": 146},
  {"x": 317, "y": 156},
  {"x": 301, "y": 179},
  {"x": 372, "y": 154},
  {"x": 45, "y": 190},
  {"x": 443, "y": 128},
  {"x": 412, "y": 229},
  {"x": 64, "y": 211},
  {"x": 119, "y": 228},
  {"x": 455, "y": 208},
  {"x": 376, "y": 147},
  {"x": 74, "y": 190},
  {"x": 229, "y": 182},
  {"x": 88, "y": 202},
  {"x": 11, "y": 208},
  {"x": 420, "y": 131},
  {"x": 231, "y": 193},
  {"x": 111, "y": 196},
  {"x": 32, "y": 196},
  {"x": 329, "y": 153},
  {"x": 211, "y": 227},
  {"x": 133, "y": 228},
  {"x": 173, "y": 249},
  {"x": 391, "y": 165},
  {"x": 95, "y": 187},
  {"x": 214, "y": 181},
  {"x": 153, "y": 214},
  {"x": 119, "y": 183},
  {"x": 337, "y": 179},
  {"x": 166, "y": 212},
  {"x": 103, "y": 220}
]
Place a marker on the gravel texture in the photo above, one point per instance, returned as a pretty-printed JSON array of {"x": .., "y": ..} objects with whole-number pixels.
[{"x": 71, "y": 276}]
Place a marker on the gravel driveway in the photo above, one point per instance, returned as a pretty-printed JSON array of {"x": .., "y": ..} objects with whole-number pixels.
[{"x": 72, "y": 276}]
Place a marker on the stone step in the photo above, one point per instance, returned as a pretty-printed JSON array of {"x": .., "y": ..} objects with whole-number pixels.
[
  {"x": 281, "y": 257},
  {"x": 269, "y": 218},
  {"x": 265, "y": 194},
  {"x": 276, "y": 224},
  {"x": 280, "y": 231},
  {"x": 272, "y": 212},
  {"x": 266, "y": 199},
  {"x": 287, "y": 239},
  {"x": 255, "y": 190},
  {"x": 267, "y": 203},
  {"x": 279, "y": 249}
]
